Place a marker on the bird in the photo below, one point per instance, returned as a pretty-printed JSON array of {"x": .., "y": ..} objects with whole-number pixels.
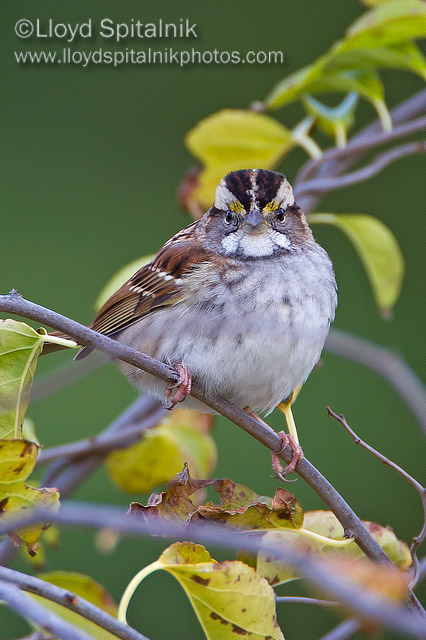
[{"x": 240, "y": 301}]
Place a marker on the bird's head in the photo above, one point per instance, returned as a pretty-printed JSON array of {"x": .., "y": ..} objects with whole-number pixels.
[{"x": 254, "y": 215}]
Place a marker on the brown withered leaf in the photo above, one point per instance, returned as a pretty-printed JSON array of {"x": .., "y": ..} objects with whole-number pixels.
[
  {"x": 240, "y": 507},
  {"x": 175, "y": 503}
]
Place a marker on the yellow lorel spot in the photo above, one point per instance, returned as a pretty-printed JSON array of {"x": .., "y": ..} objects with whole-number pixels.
[
  {"x": 271, "y": 206},
  {"x": 236, "y": 207}
]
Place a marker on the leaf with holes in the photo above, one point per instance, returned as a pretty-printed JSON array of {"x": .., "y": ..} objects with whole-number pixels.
[
  {"x": 379, "y": 252},
  {"x": 17, "y": 460},
  {"x": 229, "y": 598},
  {"x": 20, "y": 346}
]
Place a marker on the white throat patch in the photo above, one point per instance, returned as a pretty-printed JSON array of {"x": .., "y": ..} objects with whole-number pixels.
[{"x": 255, "y": 245}]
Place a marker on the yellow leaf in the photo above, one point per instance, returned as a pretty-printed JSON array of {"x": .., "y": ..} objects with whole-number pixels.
[
  {"x": 235, "y": 139},
  {"x": 229, "y": 598},
  {"x": 162, "y": 452},
  {"x": 87, "y": 588},
  {"x": 321, "y": 531},
  {"x": 379, "y": 252},
  {"x": 17, "y": 460}
]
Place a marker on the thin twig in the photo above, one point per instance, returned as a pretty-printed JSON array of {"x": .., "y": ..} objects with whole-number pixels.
[
  {"x": 303, "y": 600},
  {"x": 387, "y": 363},
  {"x": 323, "y": 185},
  {"x": 27, "y": 607},
  {"x": 417, "y": 540},
  {"x": 71, "y": 601},
  {"x": 14, "y": 303},
  {"x": 421, "y": 575},
  {"x": 344, "y": 630},
  {"x": 364, "y": 601},
  {"x": 356, "y": 146}
]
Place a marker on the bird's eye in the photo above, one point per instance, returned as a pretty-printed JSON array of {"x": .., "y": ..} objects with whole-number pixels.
[
  {"x": 280, "y": 215},
  {"x": 229, "y": 217}
]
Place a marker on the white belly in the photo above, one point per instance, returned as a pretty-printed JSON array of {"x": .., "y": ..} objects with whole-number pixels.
[{"x": 253, "y": 347}]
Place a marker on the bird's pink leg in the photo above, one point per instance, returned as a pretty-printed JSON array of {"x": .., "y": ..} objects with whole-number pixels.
[
  {"x": 286, "y": 439},
  {"x": 297, "y": 456},
  {"x": 184, "y": 383}
]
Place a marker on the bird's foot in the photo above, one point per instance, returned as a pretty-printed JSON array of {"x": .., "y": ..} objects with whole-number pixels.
[
  {"x": 183, "y": 384},
  {"x": 297, "y": 456}
]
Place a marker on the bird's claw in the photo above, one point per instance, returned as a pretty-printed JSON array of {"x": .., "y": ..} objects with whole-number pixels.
[
  {"x": 183, "y": 384},
  {"x": 297, "y": 456}
]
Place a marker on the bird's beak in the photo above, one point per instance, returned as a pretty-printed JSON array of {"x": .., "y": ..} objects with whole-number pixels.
[{"x": 254, "y": 221}]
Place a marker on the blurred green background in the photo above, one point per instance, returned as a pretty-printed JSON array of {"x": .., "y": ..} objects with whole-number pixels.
[{"x": 92, "y": 161}]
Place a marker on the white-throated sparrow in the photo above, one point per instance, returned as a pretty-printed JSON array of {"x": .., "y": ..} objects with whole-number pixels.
[{"x": 240, "y": 301}]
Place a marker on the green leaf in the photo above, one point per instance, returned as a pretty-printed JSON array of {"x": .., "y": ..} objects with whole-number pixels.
[
  {"x": 334, "y": 121},
  {"x": 20, "y": 346},
  {"x": 229, "y": 598},
  {"x": 119, "y": 279},
  {"x": 379, "y": 252},
  {"x": 87, "y": 588},
  {"x": 235, "y": 139},
  {"x": 392, "y": 22},
  {"x": 313, "y": 80},
  {"x": 325, "y": 528},
  {"x": 17, "y": 460},
  {"x": 162, "y": 452},
  {"x": 346, "y": 55}
]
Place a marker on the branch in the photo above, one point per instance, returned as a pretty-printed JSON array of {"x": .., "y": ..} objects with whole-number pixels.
[
  {"x": 70, "y": 601},
  {"x": 322, "y": 185},
  {"x": 101, "y": 445},
  {"x": 411, "y": 108},
  {"x": 67, "y": 477},
  {"x": 344, "y": 630},
  {"x": 369, "y": 605},
  {"x": 14, "y": 303},
  {"x": 28, "y": 608},
  {"x": 387, "y": 363},
  {"x": 421, "y": 575},
  {"x": 302, "y": 600},
  {"x": 357, "y": 145},
  {"x": 417, "y": 540}
]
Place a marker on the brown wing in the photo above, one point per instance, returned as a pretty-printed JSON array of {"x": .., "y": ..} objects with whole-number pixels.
[{"x": 154, "y": 286}]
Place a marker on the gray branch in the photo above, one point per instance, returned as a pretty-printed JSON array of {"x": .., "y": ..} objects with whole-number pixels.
[
  {"x": 335, "y": 163},
  {"x": 28, "y": 608},
  {"x": 387, "y": 363},
  {"x": 344, "y": 630},
  {"x": 323, "y": 185},
  {"x": 364, "y": 601},
  {"x": 108, "y": 440},
  {"x": 360, "y": 145},
  {"x": 14, "y": 303},
  {"x": 70, "y": 601}
]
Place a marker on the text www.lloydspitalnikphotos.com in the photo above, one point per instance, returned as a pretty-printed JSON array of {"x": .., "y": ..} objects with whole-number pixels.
[{"x": 54, "y": 32}]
